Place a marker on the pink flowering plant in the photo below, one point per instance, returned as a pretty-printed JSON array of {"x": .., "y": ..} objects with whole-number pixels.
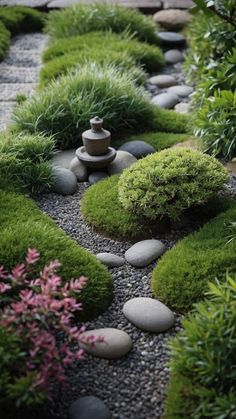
[{"x": 36, "y": 330}]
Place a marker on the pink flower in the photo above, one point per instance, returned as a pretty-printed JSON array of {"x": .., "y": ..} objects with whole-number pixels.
[
  {"x": 18, "y": 272},
  {"x": 4, "y": 287},
  {"x": 3, "y": 273},
  {"x": 32, "y": 256}
]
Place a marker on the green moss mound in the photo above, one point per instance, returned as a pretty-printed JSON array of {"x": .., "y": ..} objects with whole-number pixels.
[
  {"x": 82, "y": 19},
  {"x": 5, "y": 37},
  {"x": 180, "y": 277},
  {"x": 158, "y": 140},
  {"x": 94, "y": 44},
  {"x": 202, "y": 377},
  {"x": 23, "y": 225},
  {"x": 167, "y": 183},
  {"x": 21, "y": 19}
]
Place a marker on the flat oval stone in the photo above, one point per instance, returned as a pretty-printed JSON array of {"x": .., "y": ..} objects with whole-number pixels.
[
  {"x": 88, "y": 407},
  {"x": 65, "y": 182},
  {"x": 163, "y": 80},
  {"x": 181, "y": 90},
  {"x": 182, "y": 107},
  {"x": 122, "y": 161},
  {"x": 173, "y": 56},
  {"x": 171, "y": 39},
  {"x": 96, "y": 177},
  {"x": 117, "y": 343},
  {"x": 138, "y": 148},
  {"x": 110, "y": 260},
  {"x": 144, "y": 252},
  {"x": 165, "y": 100},
  {"x": 148, "y": 314},
  {"x": 172, "y": 19},
  {"x": 63, "y": 158},
  {"x": 79, "y": 169}
]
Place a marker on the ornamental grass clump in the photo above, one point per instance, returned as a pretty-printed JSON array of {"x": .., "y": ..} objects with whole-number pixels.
[
  {"x": 22, "y": 19},
  {"x": 202, "y": 369},
  {"x": 34, "y": 310},
  {"x": 167, "y": 183},
  {"x": 5, "y": 37},
  {"x": 83, "y": 18}
]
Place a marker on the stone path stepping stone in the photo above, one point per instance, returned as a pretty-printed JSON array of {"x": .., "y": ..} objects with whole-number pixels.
[
  {"x": 163, "y": 80},
  {"x": 110, "y": 260},
  {"x": 122, "y": 161},
  {"x": 116, "y": 344},
  {"x": 144, "y": 252},
  {"x": 79, "y": 169},
  {"x": 148, "y": 314},
  {"x": 165, "y": 100},
  {"x": 88, "y": 407},
  {"x": 137, "y": 148},
  {"x": 65, "y": 182},
  {"x": 172, "y": 19},
  {"x": 171, "y": 39},
  {"x": 181, "y": 91},
  {"x": 182, "y": 107},
  {"x": 97, "y": 176},
  {"x": 64, "y": 158},
  {"x": 173, "y": 56}
]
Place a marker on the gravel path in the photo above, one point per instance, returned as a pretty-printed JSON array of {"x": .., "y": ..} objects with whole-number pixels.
[{"x": 19, "y": 71}]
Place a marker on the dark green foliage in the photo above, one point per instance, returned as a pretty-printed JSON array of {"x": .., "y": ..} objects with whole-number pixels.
[
  {"x": 24, "y": 160},
  {"x": 4, "y": 40},
  {"x": 216, "y": 124},
  {"x": 82, "y": 19},
  {"x": 23, "y": 225},
  {"x": 21, "y": 19},
  {"x": 93, "y": 44},
  {"x": 167, "y": 183},
  {"x": 202, "y": 373},
  {"x": 180, "y": 277}
]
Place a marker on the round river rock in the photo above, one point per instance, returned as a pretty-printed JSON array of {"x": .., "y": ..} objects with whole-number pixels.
[
  {"x": 138, "y": 148},
  {"x": 173, "y": 56},
  {"x": 171, "y": 39},
  {"x": 110, "y": 260},
  {"x": 163, "y": 80},
  {"x": 88, "y": 407},
  {"x": 165, "y": 100},
  {"x": 65, "y": 182},
  {"x": 182, "y": 90},
  {"x": 96, "y": 177},
  {"x": 117, "y": 343},
  {"x": 144, "y": 252},
  {"x": 172, "y": 19},
  {"x": 148, "y": 314},
  {"x": 122, "y": 161},
  {"x": 63, "y": 158},
  {"x": 79, "y": 169}
]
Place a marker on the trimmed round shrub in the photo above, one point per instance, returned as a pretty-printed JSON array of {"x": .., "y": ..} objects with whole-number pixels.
[
  {"x": 165, "y": 184},
  {"x": 180, "y": 277},
  {"x": 202, "y": 373},
  {"x": 21, "y": 19},
  {"x": 82, "y": 19},
  {"x": 65, "y": 107},
  {"x": 5, "y": 37}
]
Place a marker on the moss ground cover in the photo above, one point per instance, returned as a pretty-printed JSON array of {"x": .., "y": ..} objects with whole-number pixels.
[
  {"x": 159, "y": 140},
  {"x": 202, "y": 377},
  {"x": 23, "y": 225},
  {"x": 181, "y": 276},
  {"x": 82, "y": 19}
]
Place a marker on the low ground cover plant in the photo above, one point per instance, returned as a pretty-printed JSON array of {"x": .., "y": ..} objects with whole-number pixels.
[
  {"x": 24, "y": 225},
  {"x": 159, "y": 140},
  {"x": 21, "y": 19},
  {"x": 5, "y": 36},
  {"x": 169, "y": 182},
  {"x": 202, "y": 373},
  {"x": 83, "y": 18},
  {"x": 181, "y": 276}
]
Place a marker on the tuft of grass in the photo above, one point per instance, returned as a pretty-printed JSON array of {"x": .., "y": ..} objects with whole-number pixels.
[
  {"x": 158, "y": 140},
  {"x": 23, "y": 225},
  {"x": 95, "y": 44},
  {"x": 21, "y": 19},
  {"x": 5, "y": 37},
  {"x": 24, "y": 160},
  {"x": 83, "y": 18},
  {"x": 180, "y": 277}
]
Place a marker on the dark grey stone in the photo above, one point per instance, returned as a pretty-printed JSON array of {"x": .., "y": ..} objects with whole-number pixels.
[
  {"x": 122, "y": 161},
  {"x": 173, "y": 56},
  {"x": 165, "y": 100},
  {"x": 89, "y": 407},
  {"x": 144, "y": 252},
  {"x": 97, "y": 176},
  {"x": 171, "y": 39},
  {"x": 110, "y": 260},
  {"x": 137, "y": 148},
  {"x": 65, "y": 182},
  {"x": 181, "y": 90}
]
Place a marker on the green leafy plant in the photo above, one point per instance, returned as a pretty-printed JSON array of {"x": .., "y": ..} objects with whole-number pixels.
[
  {"x": 169, "y": 182},
  {"x": 4, "y": 40},
  {"x": 180, "y": 277},
  {"x": 21, "y": 19},
  {"x": 202, "y": 373},
  {"x": 82, "y": 19}
]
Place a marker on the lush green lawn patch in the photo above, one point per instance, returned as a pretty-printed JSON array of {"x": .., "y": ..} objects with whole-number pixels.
[
  {"x": 159, "y": 140},
  {"x": 24, "y": 160},
  {"x": 5, "y": 37},
  {"x": 82, "y": 19},
  {"x": 180, "y": 277},
  {"x": 21, "y": 19},
  {"x": 202, "y": 373},
  {"x": 23, "y": 225},
  {"x": 94, "y": 44}
]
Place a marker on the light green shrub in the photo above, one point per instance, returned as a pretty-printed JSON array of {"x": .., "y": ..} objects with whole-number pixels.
[
  {"x": 202, "y": 373},
  {"x": 4, "y": 40},
  {"x": 169, "y": 182},
  {"x": 82, "y": 19}
]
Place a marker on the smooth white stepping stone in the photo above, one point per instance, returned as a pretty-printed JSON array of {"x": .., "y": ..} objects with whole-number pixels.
[
  {"x": 144, "y": 252},
  {"x": 116, "y": 344},
  {"x": 110, "y": 260},
  {"x": 148, "y": 314}
]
